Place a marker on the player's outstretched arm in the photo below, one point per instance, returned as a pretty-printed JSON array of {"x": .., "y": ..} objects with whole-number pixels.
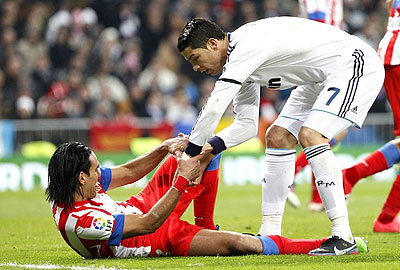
[
  {"x": 188, "y": 170},
  {"x": 137, "y": 168}
]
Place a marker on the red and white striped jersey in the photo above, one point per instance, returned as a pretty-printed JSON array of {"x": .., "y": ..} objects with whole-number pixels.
[
  {"x": 389, "y": 47},
  {"x": 326, "y": 11},
  {"x": 93, "y": 228}
]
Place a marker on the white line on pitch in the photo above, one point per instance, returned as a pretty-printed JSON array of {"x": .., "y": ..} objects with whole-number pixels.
[{"x": 54, "y": 266}]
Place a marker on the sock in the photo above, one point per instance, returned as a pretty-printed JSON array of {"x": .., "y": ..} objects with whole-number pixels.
[
  {"x": 329, "y": 183},
  {"x": 378, "y": 161},
  {"x": 269, "y": 245},
  {"x": 278, "y": 179},
  {"x": 391, "y": 207},
  {"x": 295, "y": 246},
  {"x": 204, "y": 204},
  {"x": 301, "y": 160}
]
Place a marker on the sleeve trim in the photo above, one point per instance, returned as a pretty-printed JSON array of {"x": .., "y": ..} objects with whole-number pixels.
[
  {"x": 105, "y": 179},
  {"x": 218, "y": 144},
  {"x": 116, "y": 235},
  {"x": 193, "y": 149}
]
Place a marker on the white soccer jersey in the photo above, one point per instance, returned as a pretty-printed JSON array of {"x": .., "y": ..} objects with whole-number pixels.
[
  {"x": 389, "y": 47},
  {"x": 279, "y": 53},
  {"x": 326, "y": 11},
  {"x": 93, "y": 228}
]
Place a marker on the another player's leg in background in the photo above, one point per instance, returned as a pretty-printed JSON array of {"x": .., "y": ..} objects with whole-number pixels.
[
  {"x": 380, "y": 160},
  {"x": 388, "y": 221},
  {"x": 392, "y": 84}
]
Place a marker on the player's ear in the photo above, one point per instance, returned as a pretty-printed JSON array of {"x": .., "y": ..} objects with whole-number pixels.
[
  {"x": 212, "y": 43},
  {"x": 81, "y": 178}
]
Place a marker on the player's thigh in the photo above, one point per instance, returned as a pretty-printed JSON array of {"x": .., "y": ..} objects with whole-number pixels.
[{"x": 297, "y": 108}]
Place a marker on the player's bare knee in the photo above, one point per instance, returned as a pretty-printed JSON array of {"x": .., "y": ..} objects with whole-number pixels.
[
  {"x": 396, "y": 142},
  {"x": 239, "y": 244},
  {"x": 309, "y": 137},
  {"x": 278, "y": 137}
]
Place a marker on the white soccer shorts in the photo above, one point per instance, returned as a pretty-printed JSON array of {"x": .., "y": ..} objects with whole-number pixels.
[{"x": 342, "y": 100}]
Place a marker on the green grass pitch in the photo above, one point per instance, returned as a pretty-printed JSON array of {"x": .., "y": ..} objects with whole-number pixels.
[{"x": 29, "y": 239}]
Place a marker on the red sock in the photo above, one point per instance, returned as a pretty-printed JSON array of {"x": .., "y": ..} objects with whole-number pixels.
[
  {"x": 204, "y": 204},
  {"x": 301, "y": 162},
  {"x": 295, "y": 246},
  {"x": 391, "y": 207},
  {"x": 370, "y": 165}
]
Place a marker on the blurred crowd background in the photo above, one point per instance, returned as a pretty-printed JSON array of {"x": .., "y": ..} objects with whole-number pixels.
[{"x": 114, "y": 59}]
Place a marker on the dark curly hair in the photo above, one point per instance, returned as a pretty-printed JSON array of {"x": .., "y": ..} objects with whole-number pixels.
[
  {"x": 64, "y": 167},
  {"x": 197, "y": 32}
]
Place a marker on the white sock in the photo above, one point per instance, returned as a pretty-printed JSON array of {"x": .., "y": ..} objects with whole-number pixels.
[
  {"x": 329, "y": 182},
  {"x": 278, "y": 178}
]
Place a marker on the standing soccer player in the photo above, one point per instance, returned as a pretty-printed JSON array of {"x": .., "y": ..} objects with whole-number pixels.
[
  {"x": 389, "y": 51},
  {"x": 339, "y": 77}
]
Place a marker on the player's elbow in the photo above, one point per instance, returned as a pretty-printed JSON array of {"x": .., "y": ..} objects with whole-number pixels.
[{"x": 152, "y": 222}]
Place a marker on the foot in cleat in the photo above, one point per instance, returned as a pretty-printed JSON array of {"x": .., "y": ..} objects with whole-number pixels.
[{"x": 334, "y": 246}]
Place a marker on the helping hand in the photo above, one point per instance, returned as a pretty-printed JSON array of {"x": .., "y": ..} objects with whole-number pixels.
[
  {"x": 176, "y": 144},
  {"x": 190, "y": 167}
]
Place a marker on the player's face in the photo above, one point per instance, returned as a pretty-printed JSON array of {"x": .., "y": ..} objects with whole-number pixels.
[
  {"x": 91, "y": 183},
  {"x": 209, "y": 61}
]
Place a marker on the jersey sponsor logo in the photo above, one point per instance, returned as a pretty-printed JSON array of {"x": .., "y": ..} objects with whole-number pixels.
[{"x": 274, "y": 83}]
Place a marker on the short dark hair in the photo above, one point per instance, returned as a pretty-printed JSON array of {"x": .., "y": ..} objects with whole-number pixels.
[
  {"x": 66, "y": 163},
  {"x": 197, "y": 32}
]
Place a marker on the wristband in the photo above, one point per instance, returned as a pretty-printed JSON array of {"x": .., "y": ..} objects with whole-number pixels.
[
  {"x": 217, "y": 144},
  {"x": 180, "y": 183}
]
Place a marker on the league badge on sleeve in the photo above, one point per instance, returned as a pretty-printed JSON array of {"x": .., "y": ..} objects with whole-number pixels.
[{"x": 99, "y": 223}]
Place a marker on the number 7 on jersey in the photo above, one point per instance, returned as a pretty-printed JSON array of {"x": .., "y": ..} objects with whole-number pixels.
[{"x": 337, "y": 90}]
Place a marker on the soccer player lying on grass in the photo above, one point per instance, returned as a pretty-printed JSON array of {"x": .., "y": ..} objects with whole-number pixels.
[{"x": 149, "y": 224}]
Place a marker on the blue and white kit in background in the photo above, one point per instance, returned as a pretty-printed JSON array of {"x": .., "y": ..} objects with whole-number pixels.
[{"x": 337, "y": 76}]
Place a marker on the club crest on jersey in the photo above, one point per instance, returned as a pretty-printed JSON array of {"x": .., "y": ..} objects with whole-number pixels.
[{"x": 99, "y": 223}]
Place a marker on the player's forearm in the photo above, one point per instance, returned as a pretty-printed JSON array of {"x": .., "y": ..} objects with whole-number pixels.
[
  {"x": 137, "y": 168},
  {"x": 151, "y": 221},
  {"x": 210, "y": 116},
  {"x": 238, "y": 132},
  {"x": 245, "y": 124}
]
